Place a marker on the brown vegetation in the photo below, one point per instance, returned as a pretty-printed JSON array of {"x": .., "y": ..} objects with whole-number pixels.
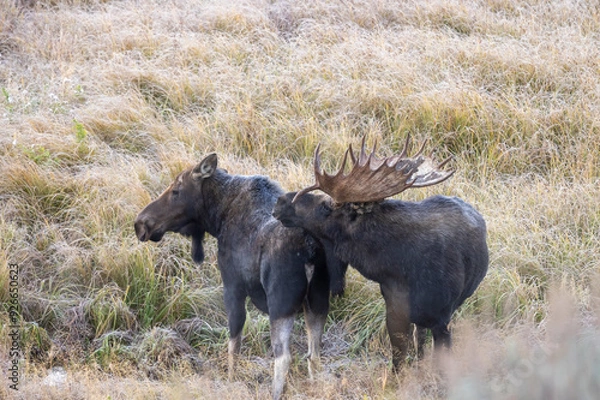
[{"x": 103, "y": 102}]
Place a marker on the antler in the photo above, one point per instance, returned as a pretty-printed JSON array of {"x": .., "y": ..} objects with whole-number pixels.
[{"x": 373, "y": 179}]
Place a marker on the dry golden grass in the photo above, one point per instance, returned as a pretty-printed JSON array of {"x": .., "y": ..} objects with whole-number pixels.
[{"x": 103, "y": 102}]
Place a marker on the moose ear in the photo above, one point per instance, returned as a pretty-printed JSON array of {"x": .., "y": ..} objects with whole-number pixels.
[{"x": 205, "y": 168}]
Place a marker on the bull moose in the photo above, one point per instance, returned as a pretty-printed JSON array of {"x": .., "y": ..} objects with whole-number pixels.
[
  {"x": 281, "y": 269},
  {"x": 427, "y": 256}
]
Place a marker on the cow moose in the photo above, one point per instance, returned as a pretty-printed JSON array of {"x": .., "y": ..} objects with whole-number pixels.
[
  {"x": 281, "y": 269},
  {"x": 427, "y": 256}
]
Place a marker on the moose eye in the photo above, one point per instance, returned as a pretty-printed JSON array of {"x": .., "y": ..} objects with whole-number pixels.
[
  {"x": 175, "y": 192},
  {"x": 324, "y": 209}
]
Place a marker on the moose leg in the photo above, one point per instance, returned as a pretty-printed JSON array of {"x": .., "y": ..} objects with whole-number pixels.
[
  {"x": 281, "y": 330},
  {"x": 314, "y": 329},
  {"x": 233, "y": 349},
  {"x": 316, "y": 307},
  {"x": 441, "y": 337},
  {"x": 420, "y": 338},
  {"x": 236, "y": 316},
  {"x": 398, "y": 323}
]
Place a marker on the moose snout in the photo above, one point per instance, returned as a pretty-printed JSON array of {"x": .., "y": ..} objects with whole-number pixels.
[
  {"x": 143, "y": 227},
  {"x": 276, "y": 212},
  {"x": 284, "y": 211},
  {"x": 280, "y": 207}
]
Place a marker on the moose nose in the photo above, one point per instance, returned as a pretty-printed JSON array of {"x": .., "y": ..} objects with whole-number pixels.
[
  {"x": 143, "y": 226},
  {"x": 279, "y": 206},
  {"x": 276, "y": 212}
]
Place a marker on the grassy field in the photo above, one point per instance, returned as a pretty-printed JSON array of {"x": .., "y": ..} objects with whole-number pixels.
[{"x": 104, "y": 102}]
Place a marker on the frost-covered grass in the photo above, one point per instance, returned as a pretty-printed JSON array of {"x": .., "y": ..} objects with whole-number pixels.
[{"x": 103, "y": 102}]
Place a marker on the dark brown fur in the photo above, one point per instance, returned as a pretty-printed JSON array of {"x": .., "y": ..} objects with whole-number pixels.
[
  {"x": 281, "y": 269},
  {"x": 427, "y": 257}
]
